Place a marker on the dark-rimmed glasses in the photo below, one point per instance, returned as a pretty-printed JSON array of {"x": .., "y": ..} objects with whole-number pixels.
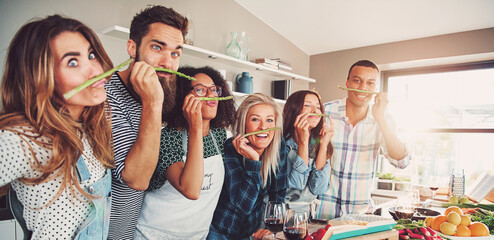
[{"x": 201, "y": 90}]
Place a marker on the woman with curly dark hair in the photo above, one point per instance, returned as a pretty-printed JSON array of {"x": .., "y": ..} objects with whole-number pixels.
[{"x": 187, "y": 182}]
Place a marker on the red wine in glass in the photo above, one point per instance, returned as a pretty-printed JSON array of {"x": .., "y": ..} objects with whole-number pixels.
[
  {"x": 294, "y": 233},
  {"x": 273, "y": 216},
  {"x": 404, "y": 214},
  {"x": 274, "y": 225}
]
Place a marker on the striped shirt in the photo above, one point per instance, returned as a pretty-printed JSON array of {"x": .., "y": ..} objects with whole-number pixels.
[
  {"x": 356, "y": 150},
  {"x": 126, "y": 118}
]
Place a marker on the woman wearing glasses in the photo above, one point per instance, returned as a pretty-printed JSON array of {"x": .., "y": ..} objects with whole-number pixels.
[{"x": 186, "y": 184}]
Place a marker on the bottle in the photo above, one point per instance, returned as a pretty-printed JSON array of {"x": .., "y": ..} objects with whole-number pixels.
[
  {"x": 233, "y": 49},
  {"x": 189, "y": 38},
  {"x": 244, "y": 43}
]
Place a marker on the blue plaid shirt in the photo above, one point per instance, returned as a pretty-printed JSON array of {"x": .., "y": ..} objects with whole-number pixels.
[
  {"x": 356, "y": 150},
  {"x": 239, "y": 210}
]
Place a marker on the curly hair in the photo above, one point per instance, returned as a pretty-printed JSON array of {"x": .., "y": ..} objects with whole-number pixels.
[{"x": 226, "y": 109}]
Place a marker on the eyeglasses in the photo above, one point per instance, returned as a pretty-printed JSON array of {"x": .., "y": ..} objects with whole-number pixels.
[{"x": 202, "y": 90}]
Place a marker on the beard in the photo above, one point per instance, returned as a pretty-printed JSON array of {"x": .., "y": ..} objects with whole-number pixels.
[{"x": 169, "y": 89}]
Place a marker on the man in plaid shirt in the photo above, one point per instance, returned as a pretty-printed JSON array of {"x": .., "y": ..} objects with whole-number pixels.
[{"x": 361, "y": 130}]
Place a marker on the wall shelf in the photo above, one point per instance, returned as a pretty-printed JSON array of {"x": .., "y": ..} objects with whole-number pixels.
[
  {"x": 239, "y": 95},
  {"x": 207, "y": 55},
  {"x": 222, "y": 58}
]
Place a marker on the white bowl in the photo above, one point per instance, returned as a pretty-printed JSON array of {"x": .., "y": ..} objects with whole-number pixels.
[{"x": 491, "y": 237}]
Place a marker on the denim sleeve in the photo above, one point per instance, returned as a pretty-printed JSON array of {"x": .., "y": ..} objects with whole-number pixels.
[
  {"x": 298, "y": 171},
  {"x": 319, "y": 179}
]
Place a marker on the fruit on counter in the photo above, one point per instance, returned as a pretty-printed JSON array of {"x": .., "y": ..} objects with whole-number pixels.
[
  {"x": 463, "y": 231},
  {"x": 453, "y": 209},
  {"x": 448, "y": 228},
  {"x": 465, "y": 220},
  {"x": 464, "y": 200},
  {"x": 454, "y": 218},
  {"x": 327, "y": 226},
  {"x": 479, "y": 229},
  {"x": 438, "y": 220},
  {"x": 319, "y": 234},
  {"x": 428, "y": 221},
  {"x": 453, "y": 199}
]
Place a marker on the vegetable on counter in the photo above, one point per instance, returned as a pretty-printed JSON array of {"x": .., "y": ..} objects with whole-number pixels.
[
  {"x": 408, "y": 229},
  {"x": 485, "y": 217},
  {"x": 489, "y": 207}
]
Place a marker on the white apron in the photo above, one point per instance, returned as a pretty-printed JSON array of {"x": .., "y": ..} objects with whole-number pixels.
[{"x": 167, "y": 214}]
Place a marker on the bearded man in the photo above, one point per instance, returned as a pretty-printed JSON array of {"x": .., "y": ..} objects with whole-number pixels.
[{"x": 138, "y": 98}]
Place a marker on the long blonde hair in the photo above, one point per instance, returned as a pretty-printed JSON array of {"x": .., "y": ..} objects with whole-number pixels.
[
  {"x": 29, "y": 99},
  {"x": 270, "y": 158}
]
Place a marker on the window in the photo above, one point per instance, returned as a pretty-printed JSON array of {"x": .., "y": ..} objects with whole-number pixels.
[{"x": 446, "y": 117}]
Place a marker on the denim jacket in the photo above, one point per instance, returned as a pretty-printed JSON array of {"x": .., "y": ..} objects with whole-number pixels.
[
  {"x": 96, "y": 224},
  {"x": 301, "y": 176}
]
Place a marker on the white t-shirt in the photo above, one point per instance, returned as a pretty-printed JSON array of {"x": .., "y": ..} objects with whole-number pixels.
[{"x": 62, "y": 218}]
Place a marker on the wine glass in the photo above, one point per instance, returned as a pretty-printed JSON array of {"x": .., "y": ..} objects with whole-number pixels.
[
  {"x": 295, "y": 225},
  {"x": 406, "y": 204},
  {"x": 273, "y": 217},
  {"x": 433, "y": 185}
]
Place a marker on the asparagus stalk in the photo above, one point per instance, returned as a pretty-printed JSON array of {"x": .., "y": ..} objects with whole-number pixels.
[
  {"x": 91, "y": 81},
  {"x": 319, "y": 114},
  {"x": 160, "y": 69},
  {"x": 357, "y": 90},
  {"x": 215, "y": 98},
  {"x": 263, "y": 131}
]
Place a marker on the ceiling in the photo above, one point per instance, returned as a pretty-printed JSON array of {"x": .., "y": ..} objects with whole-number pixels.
[{"x": 320, "y": 26}]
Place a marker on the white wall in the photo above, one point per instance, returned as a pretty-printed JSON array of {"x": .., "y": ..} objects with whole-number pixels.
[
  {"x": 213, "y": 20},
  {"x": 331, "y": 69}
]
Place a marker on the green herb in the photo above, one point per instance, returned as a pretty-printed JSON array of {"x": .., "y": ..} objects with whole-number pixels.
[
  {"x": 407, "y": 223},
  {"x": 263, "y": 131},
  {"x": 356, "y": 90},
  {"x": 319, "y": 114},
  {"x": 91, "y": 81},
  {"x": 159, "y": 69},
  {"x": 489, "y": 207},
  {"x": 483, "y": 216},
  {"x": 215, "y": 98}
]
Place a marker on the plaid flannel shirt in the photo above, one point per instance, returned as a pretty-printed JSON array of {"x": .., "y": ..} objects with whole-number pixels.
[
  {"x": 356, "y": 150},
  {"x": 239, "y": 210}
]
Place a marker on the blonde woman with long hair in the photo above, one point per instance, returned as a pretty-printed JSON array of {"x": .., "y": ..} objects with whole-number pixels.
[
  {"x": 255, "y": 166},
  {"x": 56, "y": 153}
]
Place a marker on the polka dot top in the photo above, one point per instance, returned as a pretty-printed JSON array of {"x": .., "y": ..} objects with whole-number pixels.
[{"x": 62, "y": 218}]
